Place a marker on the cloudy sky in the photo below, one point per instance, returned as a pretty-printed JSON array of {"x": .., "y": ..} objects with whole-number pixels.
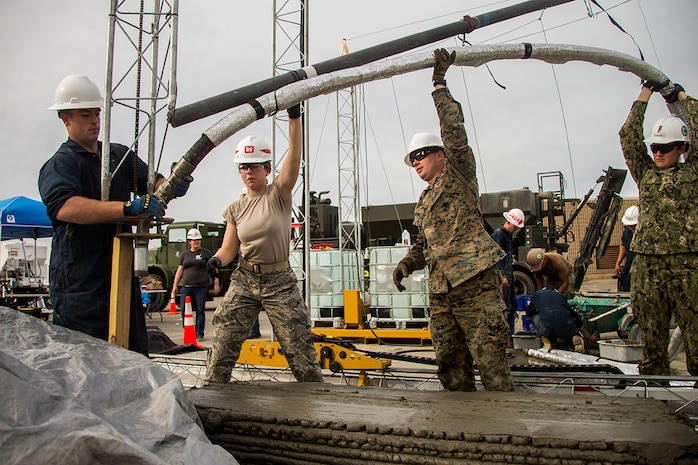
[{"x": 563, "y": 118}]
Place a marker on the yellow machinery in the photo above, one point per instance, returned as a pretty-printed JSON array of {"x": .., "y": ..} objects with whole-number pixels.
[
  {"x": 333, "y": 357},
  {"x": 355, "y": 326}
]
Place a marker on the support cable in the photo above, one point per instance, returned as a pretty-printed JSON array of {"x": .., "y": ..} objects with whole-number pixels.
[{"x": 562, "y": 111}]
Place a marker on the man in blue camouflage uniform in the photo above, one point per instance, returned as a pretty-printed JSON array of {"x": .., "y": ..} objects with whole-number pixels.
[
  {"x": 664, "y": 273},
  {"x": 465, "y": 288}
]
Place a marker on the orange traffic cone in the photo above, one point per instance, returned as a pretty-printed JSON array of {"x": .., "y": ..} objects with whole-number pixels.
[
  {"x": 189, "y": 331},
  {"x": 173, "y": 304}
]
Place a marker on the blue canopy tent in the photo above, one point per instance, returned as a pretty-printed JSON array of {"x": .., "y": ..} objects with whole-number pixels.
[{"x": 23, "y": 218}]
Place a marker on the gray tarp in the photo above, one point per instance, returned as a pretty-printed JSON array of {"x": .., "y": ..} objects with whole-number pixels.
[{"x": 68, "y": 398}]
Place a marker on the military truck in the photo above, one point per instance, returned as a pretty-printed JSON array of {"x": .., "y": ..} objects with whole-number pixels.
[
  {"x": 164, "y": 260},
  {"x": 547, "y": 223}
]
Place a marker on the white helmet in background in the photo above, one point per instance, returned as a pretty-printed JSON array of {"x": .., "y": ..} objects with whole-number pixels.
[
  {"x": 420, "y": 141},
  {"x": 667, "y": 130},
  {"x": 515, "y": 216},
  {"x": 252, "y": 149},
  {"x": 193, "y": 234},
  {"x": 630, "y": 216},
  {"x": 76, "y": 92}
]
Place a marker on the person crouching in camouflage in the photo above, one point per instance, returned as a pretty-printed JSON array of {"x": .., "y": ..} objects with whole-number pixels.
[
  {"x": 465, "y": 287},
  {"x": 664, "y": 273},
  {"x": 258, "y": 225}
]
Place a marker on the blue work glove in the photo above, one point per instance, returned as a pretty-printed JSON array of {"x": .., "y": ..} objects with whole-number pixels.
[
  {"x": 180, "y": 186},
  {"x": 295, "y": 111},
  {"x": 148, "y": 203},
  {"x": 213, "y": 265}
]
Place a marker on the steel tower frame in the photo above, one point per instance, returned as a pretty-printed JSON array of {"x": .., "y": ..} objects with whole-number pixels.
[{"x": 143, "y": 58}]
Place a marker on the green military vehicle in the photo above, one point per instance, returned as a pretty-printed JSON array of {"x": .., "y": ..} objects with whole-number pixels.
[{"x": 164, "y": 260}]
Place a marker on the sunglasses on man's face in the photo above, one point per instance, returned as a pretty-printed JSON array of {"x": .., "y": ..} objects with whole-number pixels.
[
  {"x": 421, "y": 154},
  {"x": 249, "y": 166},
  {"x": 663, "y": 148}
]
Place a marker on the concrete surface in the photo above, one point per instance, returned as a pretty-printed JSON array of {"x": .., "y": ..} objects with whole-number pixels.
[{"x": 294, "y": 423}]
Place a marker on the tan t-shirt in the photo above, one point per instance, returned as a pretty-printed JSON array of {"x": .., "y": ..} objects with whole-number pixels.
[{"x": 263, "y": 223}]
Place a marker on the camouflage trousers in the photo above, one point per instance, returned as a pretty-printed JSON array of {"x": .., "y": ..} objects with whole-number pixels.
[
  {"x": 278, "y": 294},
  {"x": 660, "y": 285},
  {"x": 467, "y": 325}
]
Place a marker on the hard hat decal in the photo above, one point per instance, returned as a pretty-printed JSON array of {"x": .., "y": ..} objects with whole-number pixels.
[
  {"x": 249, "y": 149},
  {"x": 684, "y": 130}
]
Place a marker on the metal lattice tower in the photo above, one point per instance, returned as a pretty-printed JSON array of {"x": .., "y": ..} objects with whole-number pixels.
[
  {"x": 289, "y": 52},
  {"x": 142, "y": 82},
  {"x": 348, "y": 156}
]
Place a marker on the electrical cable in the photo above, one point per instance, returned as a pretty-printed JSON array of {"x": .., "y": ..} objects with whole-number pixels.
[
  {"x": 402, "y": 129},
  {"x": 649, "y": 33},
  {"x": 562, "y": 111}
]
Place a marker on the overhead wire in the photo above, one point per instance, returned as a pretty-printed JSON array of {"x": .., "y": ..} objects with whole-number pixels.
[
  {"x": 402, "y": 128},
  {"x": 369, "y": 124},
  {"x": 322, "y": 132},
  {"x": 490, "y": 39},
  {"x": 649, "y": 33},
  {"x": 562, "y": 111},
  {"x": 421, "y": 21},
  {"x": 483, "y": 178}
]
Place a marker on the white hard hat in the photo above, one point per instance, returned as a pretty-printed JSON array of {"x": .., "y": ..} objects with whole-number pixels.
[
  {"x": 630, "y": 216},
  {"x": 515, "y": 216},
  {"x": 667, "y": 130},
  {"x": 422, "y": 140},
  {"x": 193, "y": 234},
  {"x": 252, "y": 149},
  {"x": 76, "y": 92}
]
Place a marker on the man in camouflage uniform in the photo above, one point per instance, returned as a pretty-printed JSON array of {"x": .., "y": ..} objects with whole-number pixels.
[
  {"x": 465, "y": 288},
  {"x": 664, "y": 274}
]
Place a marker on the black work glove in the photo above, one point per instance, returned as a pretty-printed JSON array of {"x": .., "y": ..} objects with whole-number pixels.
[
  {"x": 148, "y": 203},
  {"x": 213, "y": 265},
  {"x": 295, "y": 111},
  {"x": 655, "y": 86},
  {"x": 673, "y": 96},
  {"x": 443, "y": 61},
  {"x": 401, "y": 272},
  {"x": 180, "y": 186}
]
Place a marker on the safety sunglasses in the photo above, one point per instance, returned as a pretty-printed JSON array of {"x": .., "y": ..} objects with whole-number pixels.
[
  {"x": 249, "y": 166},
  {"x": 663, "y": 148},
  {"x": 421, "y": 154}
]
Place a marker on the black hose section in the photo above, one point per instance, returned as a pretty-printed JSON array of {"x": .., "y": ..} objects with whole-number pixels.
[
  {"x": 209, "y": 106},
  {"x": 231, "y": 99},
  {"x": 185, "y": 166},
  {"x": 258, "y": 108}
]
